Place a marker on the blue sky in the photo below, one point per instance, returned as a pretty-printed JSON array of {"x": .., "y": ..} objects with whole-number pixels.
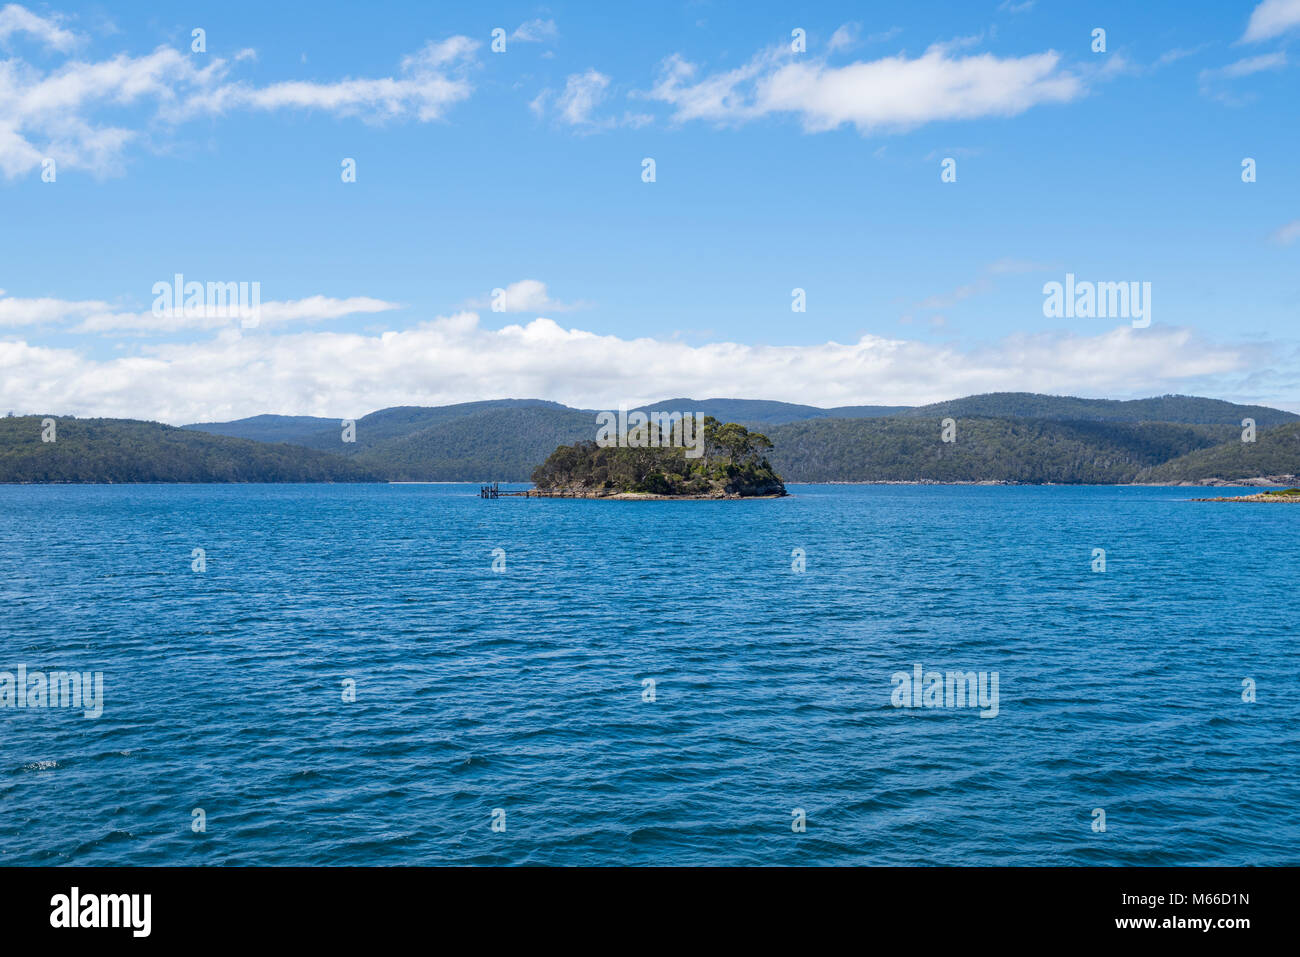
[{"x": 521, "y": 170}]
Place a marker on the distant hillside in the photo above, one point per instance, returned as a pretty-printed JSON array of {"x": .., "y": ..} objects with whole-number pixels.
[
  {"x": 401, "y": 421},
  {"x": 1007, "y": 450},
  {"x": 126, "y": 450},
  {"x": 1009, "y": 436},
  {"x": 1274, "y": 452},
  {"x": 268, "y": 428},
  {"x": 1166, "y": 408},
  {"x": 326, "y": 434},
  {"x": 763, "y": 412},
  {"x": 488, "y": 444}
]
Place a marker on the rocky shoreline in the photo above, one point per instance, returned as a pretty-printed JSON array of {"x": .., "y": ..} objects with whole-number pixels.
[
  {"x": 1291, "y": 495},
  {"x": 638, "y": 496}
]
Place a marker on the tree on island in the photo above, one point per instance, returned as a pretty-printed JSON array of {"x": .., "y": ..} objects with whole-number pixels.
[{"x": 734, "y": 463}]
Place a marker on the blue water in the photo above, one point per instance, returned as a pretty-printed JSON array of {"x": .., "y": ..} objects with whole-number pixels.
[{"x": 522, "y": 689}]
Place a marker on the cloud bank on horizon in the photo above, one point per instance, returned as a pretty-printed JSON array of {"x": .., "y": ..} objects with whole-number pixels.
[
  {"x": 456, "y": 359},
  {"x": 758, "y": 144}
]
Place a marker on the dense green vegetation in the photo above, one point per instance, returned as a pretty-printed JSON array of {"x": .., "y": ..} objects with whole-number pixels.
[
  {"x": 733, "y": 463},
  {"x": 392, "y": 423},
  {"x": 125, "y": 450},
  {"x": 1166, "y": 439},
  {"x": 296, "y": 429},
  {"x": 1165, "y": 408},
  {"x": 985, "y": 450},
  {"x": 485, "y": 445},
  {"x": 1274, "y": 452},
  {"x": 762, "y": 412}
]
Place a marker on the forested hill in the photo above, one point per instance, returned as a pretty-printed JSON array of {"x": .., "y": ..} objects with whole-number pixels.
[
  {"x": 126, "y": 450},
  {"x": 1187, "y": 409},
  {"x": 270, "y": 428},
  {"x": 1275, "y": 452},
  {"x": 404, "y": 421},
  {"x": 1163, "y": 439},
  {"x": 982, "y": 450}
]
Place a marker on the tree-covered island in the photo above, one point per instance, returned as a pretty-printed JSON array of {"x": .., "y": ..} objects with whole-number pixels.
[{"x": 732, "y": 464}]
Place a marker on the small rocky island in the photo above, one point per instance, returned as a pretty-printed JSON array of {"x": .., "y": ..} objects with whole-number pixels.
[
  {"x": 1278, "y": 495},
  {"x": 730, "y": 463}
]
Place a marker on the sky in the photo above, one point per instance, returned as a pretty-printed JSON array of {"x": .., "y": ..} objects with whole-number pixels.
[{"x": 453, "y": 202}]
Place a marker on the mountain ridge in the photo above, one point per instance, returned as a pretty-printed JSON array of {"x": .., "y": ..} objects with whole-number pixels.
[{"x": 1066, "y": 440}]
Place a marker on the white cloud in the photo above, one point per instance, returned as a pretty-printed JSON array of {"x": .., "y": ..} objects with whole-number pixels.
[
  {"x": 535, "y": 31},
  {"x": 98, "y": 316},
  {"x": 1248, "y": 66},
  {"x": 526, "y": 295},
  {"x": 18, "y": 19},
  {"x": 34, "y": 312},
  {"x": 894, "y": 93},
  {"x": 583, "y": 92},
  {"x": 1255, "y": 64},
  {"x": 429, "y": 82},
  {"x": 578, "y": 103},
  {"x": 845, "y": 37},
  {"x": 1272, "y": 18},
  {"x": 65, "y": 112},
  {"x": 312, "y": 309},
  {"x": 317, "y": 308},
  {"x": 455, "y": 359}
]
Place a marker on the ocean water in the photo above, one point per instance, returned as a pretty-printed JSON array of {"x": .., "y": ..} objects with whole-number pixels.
[{"x": 521, "y": 690}]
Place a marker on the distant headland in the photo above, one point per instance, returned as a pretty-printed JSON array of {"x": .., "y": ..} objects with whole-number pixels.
[{"x": 1291, "y": 495}]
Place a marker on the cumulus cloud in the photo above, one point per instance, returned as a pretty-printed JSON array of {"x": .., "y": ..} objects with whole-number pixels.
[
  {"x": 890, "y": 94},
  {"x": 455, "y": 358},
  {"x": 74, "y": 112},
  {"x": 526, "y": 295},
  {"x": 1272, "y": 18},
  {"x": 36, "y": 312}
]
